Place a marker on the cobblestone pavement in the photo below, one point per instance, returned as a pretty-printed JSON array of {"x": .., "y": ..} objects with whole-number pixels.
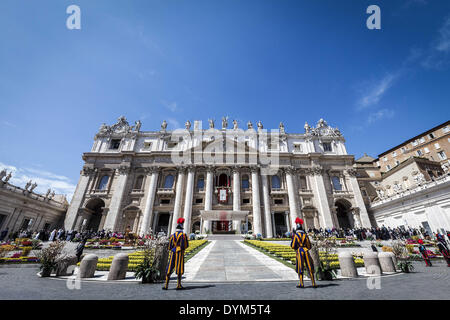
[
  {"x": 230, "y": 260},
  {"x": 424, "y": 283}
]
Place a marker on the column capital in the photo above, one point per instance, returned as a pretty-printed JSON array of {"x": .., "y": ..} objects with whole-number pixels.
[
  {"x": 190, "y": 168},
  {"x": 254, "y": 169},
  {"x": 150, "y": 170},
  {"x": 314, "y": 171},
  {"x": 236, "y": 169},
  {"x": 87, "y": 171},
  {"x": 351, "y": 172},
  {"x": 289, "y": 170},
  {"x": 182, "y": 169},
  {"x": 123, "y": 169}
]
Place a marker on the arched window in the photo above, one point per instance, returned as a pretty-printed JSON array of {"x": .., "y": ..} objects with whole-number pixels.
[
  {"x": 336, "y": 183},
  {"x": 223, "y": 180},
  {"x": 103, "y": 184},
  {"x": 200, "y": 182},
  {"x": 245, "y": 182},
  {"x": 138, "y": 183},
  {"x": 276, "y": 182},
  {"x": 168, "y": 181}
]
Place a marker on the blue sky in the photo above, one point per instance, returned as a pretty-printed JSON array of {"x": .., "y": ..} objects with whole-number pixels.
[{"x": 290, "y": 61}]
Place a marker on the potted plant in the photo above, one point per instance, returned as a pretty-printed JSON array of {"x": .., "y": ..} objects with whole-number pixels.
[
  {"x": 48, "y": 257},
  {"x": 405, "y": 265},
  {"x": 147, "y": 271},
  {"x": 324, "y": 270},
  {"x": 401, "y": 253},
  {"x": 155, "y": 253}
]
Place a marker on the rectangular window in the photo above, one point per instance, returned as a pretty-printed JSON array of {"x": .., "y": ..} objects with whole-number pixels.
[
  {"x": 278, "y": 201},
  {"x": 199, "y": 200},
  {"x": 397, "y": 162},
  {"x": 165, "y": 201},
  {"x": 437, "y": 146},
  {"x": 172, "y": 145},
  {"x": 394, "y": 154},
  {"x": 25, "y": 224},
  {"x": 446, "y": 129},
  {"x": 419, "y": 153},
  {"x": 327, "y": 147},
  {"x": 297, "y": 147},
  {"x": 115, "y": 144},
  {"x": 385, "y": 159},
  {"x": 426, "y": 150},
  {"x": 303, "y": 184},
  {"x": 388, "y": 167},
  {"x": 422, "y": 140},
  {"x": 414, "y": 143},
  {"x": 404, "y": 149},
  {"x": 442, "y": 155},
  {"x": 2, "y": 219},
  {"x": 246, "y": 201},
  {"x": 431, "y": 136},
  {"x": 147, "y": 145}
]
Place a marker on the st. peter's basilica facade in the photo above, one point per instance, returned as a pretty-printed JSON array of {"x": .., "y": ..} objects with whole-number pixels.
[{"x": 221, "y": 180}]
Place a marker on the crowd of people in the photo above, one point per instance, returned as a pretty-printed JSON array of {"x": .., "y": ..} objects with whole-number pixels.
[
  {"x": 59, "y": 234},
  {"x": 374, "y": 233}
]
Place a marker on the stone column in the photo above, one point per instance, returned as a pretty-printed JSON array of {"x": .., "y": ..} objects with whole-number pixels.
[
  {"x": 148, "y": 210},
  {"x": 236, "y": 197},
  {"x": 257, "y": 228},
  {"x": 293, "y": 208},
  {"x": 116, "y": 200},
  {"x": 365, "y": 221},
  {"x": 77, "y": 199},
  {"x": 286, "y": 216},
  {"x": 208, "y": 196},
  {"x": 154, "y": 225},
  {"x": 274, "y": 231},
  {"x": 188, "y": 200},
  {"x": 267, "y": 215},
  {"x": 178, "y": 197},
  {"x": 103, "y": 219},
  {"x": 321, "y": 195}
]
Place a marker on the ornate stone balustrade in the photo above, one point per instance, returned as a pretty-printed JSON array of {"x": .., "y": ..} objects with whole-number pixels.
[{"x": 423, "y": 186}]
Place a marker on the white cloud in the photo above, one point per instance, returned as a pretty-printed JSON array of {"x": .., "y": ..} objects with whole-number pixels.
[
  {"x": 379, "y": 115},
  {"x": 9, "y": 124},
  {"x": 174, "y": 123},
  {"x": 376, "y": 91},
  {"x": 437, "y": 56},
  {"x": 172, "y": 106},
  {"x": 45, "y": 180}
]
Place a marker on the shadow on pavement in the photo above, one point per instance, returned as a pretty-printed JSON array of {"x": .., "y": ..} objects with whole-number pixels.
[{"x": 198, "y": 287}]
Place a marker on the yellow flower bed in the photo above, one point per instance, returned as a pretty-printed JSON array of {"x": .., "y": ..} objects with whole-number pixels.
[
  {"x": 287, "y": 253},
  {"x": 137, "y": 257}
]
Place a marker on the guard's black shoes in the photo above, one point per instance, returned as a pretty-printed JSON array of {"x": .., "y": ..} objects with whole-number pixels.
[{"x": 164, "y": 288}]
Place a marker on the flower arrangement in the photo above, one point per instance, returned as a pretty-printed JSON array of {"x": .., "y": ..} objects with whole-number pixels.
[{"x": 48, "y": 257}]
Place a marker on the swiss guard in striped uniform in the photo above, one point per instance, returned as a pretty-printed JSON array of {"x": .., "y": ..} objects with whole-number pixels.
[
  {"x": 301, "y": 244},
  {"x": 178, "y": 242}
]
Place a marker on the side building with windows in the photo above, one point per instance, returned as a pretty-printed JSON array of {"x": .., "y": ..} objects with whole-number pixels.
[
  {"x": 23, "y": 209},
  {"x": 412, "y": 185},
  {"x": 263, "y": 180}
]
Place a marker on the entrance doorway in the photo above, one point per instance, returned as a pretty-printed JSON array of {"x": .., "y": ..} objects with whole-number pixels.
[
  {"x": 163, "y": 223},
  {"x": 280, "y": 224},
  {"x": 94, "y": 207},
  {"x": 343, "y": 214},
  {"x": 223, "y": 226}
]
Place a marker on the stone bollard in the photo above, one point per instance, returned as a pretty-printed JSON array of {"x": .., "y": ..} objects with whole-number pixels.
[
  {"x": 347, "y": 265},
  {"x": 386, "y": 261},
  {"x": 119, "y": 267},
  {"x": 88, "y": 266},
  {"x": 372, "y": 263},
  {"x": 61, "y": 269}
]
